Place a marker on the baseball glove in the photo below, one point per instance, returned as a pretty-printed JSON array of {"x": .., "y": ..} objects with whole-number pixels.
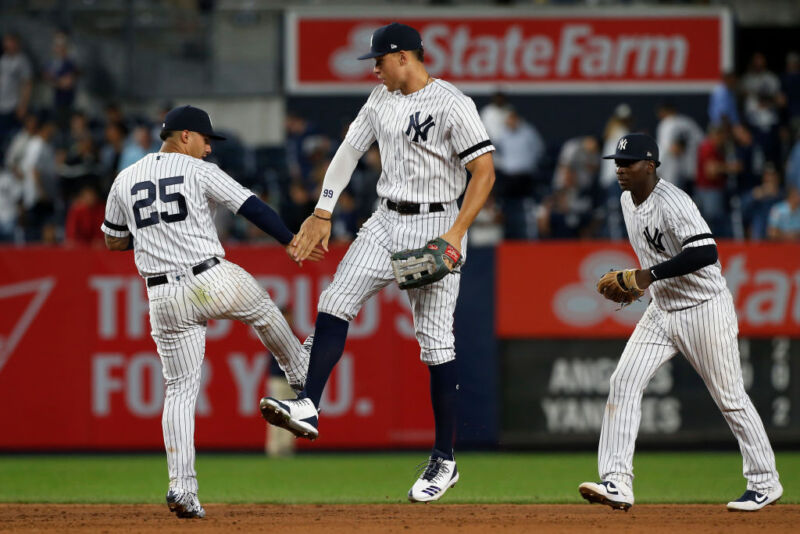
[
  {"x": 620, "y": 286},
  {"x": 422, "y": 266}
]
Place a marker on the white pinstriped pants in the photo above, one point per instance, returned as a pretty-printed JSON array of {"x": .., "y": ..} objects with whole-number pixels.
[
  {"x": 367, "y": 268},
  {"x": 179, "y": 310},
  {"x": 707, "y": 336}
]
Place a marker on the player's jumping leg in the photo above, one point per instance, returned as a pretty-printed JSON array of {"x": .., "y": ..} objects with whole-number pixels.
[
  {"x": 364, "y": 270},
  {"x": 718, "y": 364},
  {"x": 232, "y": 293},
  {"x": 646, "y": 351}
]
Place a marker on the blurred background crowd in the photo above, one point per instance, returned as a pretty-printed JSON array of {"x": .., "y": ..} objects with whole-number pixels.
[{"x": 741, "y": 163}]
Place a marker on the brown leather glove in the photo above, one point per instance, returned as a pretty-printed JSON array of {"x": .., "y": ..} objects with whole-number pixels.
[{"x": 620, "y": 286}]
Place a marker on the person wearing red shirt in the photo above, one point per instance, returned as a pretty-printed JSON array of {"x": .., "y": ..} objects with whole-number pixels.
[
  {"x": 712, "y": 180},
  {"x": 84, "y": 218}
]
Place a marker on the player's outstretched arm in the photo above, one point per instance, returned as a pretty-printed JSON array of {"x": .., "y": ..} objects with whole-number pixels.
[
  {"x": 316, "y": 230},
  {"x": 478, "y": 189}
]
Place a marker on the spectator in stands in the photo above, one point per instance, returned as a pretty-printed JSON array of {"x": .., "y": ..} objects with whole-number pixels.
[
  {"x": 16, "y": 83},
  {"x": 84, "y": 217},
  {"x": 111, "y": 153},
  {"x": 40, "y": 198},
  {"x": 764, "y": 122},
  {"x": 578, "y": 164},
  {"x": 138, "y": 146},
  {"x": 722, "y": 105},
  {"x": 784, "y": 219},
  {"x": 793, "y": 163},
  {"x": 617, "y": 126},
  {"x": 62, "y": 75},
  {"x": 711, "y": 183},
  {"x": 758, "y": 202},
  {"x": 79, "y": 166},
  {"x": 567, "y": 213},
  {"x": 758, "y": 82},
  {"x": 298, "y": 130},
  {"x": 790, "y": 88},
  {"x": 519, "y": 151},
  {"x": 16, "y": 150},
  {"x": 679, "y": 136},
  {"x": 495, "y": 114}
]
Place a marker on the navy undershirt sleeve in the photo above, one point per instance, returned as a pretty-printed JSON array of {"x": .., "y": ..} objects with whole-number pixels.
[
  {"x": 258, "y": 213},
  {"x": 687, "y": 261}
]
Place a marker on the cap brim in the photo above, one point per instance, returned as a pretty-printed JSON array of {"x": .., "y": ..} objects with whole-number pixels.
[
  {"x": 623, "y": 156},
  {"x": 215, "y": 136},
  {"x": 372, "y": 55}
]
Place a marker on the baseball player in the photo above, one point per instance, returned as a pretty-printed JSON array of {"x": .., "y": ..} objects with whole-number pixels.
[
  {"x": 428, "y": 132},
  {"x": 691, "y": 312},
  {"x": 165, "y": 203}
]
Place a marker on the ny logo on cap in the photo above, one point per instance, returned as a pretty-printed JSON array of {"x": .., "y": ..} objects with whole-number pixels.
[
  {"x": 622, "y": 144},
  {"x": 393, "y": 46}
]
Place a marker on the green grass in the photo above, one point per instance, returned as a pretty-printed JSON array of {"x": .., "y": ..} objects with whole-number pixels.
[{"x": 686, "y": 477}]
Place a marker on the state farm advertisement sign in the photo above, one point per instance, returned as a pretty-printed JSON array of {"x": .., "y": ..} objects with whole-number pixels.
[
  {"x": 548, "y": 290},
  {"x": 79, "y": 370},
  {"x": 598, "y": 50}
]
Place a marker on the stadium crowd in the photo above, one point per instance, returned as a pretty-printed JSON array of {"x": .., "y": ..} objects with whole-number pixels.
[{"x": 742, "y": 166}]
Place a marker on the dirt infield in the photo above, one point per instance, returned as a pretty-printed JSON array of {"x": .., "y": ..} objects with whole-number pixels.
[{"x": 439, "y": 518}]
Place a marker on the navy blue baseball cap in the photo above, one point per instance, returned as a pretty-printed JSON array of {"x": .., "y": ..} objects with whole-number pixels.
[
  {"x": 393, "y": 38},
  {"x": 636, "y": 146},
  {"x": 189, "y": 118}
]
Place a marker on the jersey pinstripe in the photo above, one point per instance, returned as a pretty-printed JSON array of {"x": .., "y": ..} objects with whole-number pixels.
[
  {"x": 167, "y": 202},
  {"x": 425, "y": 140},
  {"x": 659, "y": 228}
]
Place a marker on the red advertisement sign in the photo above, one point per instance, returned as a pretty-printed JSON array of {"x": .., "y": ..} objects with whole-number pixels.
[
  {"x": 532, "y": 51},
  {"x": 78, "y": 369},
  {"x": 764, "y": 280}
]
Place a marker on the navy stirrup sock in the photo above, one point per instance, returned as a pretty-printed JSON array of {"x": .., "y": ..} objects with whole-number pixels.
[
  {"x": 444, "y": 384},
  {"x": 329, "y": 336}
]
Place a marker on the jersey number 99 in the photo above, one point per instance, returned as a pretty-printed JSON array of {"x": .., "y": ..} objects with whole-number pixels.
[{"x": 146, "y": 202}]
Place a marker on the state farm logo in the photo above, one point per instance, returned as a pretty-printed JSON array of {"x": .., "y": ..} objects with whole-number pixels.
[
  {"x": 579, "y": 304},
  {"x": 559, "y": 51}
]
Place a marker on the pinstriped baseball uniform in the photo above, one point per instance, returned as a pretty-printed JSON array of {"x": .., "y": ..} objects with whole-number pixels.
[
  {"x": 425, "y": 140},
  {"x": 691, "y": 314},
  {"x": 166, "y": 201}
]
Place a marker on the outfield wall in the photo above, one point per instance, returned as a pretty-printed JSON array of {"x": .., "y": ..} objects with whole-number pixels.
[{"x": 535, "y": 344}]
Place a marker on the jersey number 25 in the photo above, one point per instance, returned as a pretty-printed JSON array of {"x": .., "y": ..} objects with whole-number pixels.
[{"x": 146, "y": 202}]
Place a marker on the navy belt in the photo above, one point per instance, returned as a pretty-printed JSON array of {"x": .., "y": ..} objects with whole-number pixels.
[
  {"x": 409, "y": 208},
  {"x": 197, "y": 269}
]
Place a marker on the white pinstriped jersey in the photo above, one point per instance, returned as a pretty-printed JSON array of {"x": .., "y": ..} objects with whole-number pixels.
[
  {"x": 425, "y": 140},
  {"x": 659, "y": 229},
  {"x": 167, "y": 202}
]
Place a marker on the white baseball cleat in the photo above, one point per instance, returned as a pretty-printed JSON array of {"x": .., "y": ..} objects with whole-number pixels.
[
  {"x": 752, "y": 501},
  {"x": 439, "y": 475},
  {"x": 617, "y": 496},
  {"x": 185, "y": 505},
  {"x": 298, "y": 416}
]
